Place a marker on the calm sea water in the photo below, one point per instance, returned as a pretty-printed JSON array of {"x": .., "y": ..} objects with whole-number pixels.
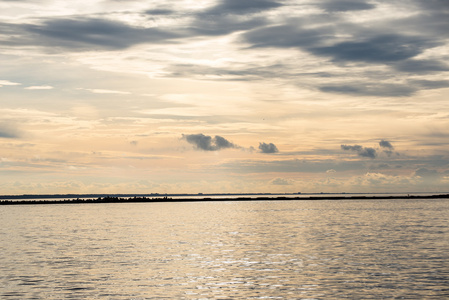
[{"x": 371, "y": 249}]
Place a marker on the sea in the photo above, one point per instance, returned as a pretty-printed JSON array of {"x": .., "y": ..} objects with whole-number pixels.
[{"x": 292, "y": 249}]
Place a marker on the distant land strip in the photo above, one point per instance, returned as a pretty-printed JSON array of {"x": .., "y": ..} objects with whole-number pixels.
[{"x": 111, "y": 199}]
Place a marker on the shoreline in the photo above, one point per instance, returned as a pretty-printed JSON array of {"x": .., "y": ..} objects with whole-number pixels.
[{"x": 109, "y": 199}]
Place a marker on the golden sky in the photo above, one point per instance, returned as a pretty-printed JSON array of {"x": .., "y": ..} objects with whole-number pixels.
[{"x": 110, "y": 96}]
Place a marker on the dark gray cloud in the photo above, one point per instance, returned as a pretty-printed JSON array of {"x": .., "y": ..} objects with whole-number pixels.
[
  {"x": 386, "y": 144},
  {"x": 286, "y": 36},
  {"x": 351, "y": 148},
  {"x": 7, "y": 134},
  {"x": 434, "y": 5},
  {"x": 242, "y": 6},
  {"x": 327, "y": 33},
  {"x": 368, "y": 152},
  {"x": 430, "y": 84},
  {"x": 367, "y": 47},
  {"x": 350, "y": 45},
  {"x": 388, "y": 148},
  {"x": 211, "y": 25},
  {"x": 345, "y": 5},
  {"x": 88, "y": 33},
  {"x": 226, "y": 17},
  {"x": 430, "y": 18},
  {"x": 159, "y": 11},
  {"x": 421, "y": 66},
  {"x": 370, "y": 89},
  {"x": 268, "y": 148},
  {"x": 361, "y": 151},
  {"x": 222, "y": 143},
  {"x": 384, "y": 89},
  {"x": 93, "y": 33},
  {"x": 379, "y": 49},
  {"x": 207, "y": 143}
]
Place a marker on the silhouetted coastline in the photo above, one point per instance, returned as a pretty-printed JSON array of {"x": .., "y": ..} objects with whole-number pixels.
[{"x": 143, "y": 199}]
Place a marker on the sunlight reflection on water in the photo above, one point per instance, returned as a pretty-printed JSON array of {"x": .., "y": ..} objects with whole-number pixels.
[{"x": 226, "y": 250}]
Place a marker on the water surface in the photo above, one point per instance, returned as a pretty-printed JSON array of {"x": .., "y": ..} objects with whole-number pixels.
[{"x": 355, "y": 249}]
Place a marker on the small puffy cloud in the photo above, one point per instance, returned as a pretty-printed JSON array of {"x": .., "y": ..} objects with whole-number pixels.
[
  {"x": 268, "y": 148},
  {"x": 368, "y": 152},
  {"x": 361, "y": 151},
  {"x": 39, "y": 87},
  {"x": 386, "y": 144},
  {"x": 280, "y": 181},
  {"x": 388, "y": 147},
  {"x": 207, "y": 143},
  {"x": 7, "y": 82}
]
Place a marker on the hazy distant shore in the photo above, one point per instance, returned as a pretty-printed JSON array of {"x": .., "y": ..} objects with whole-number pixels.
[{"x": 144, "y": 199}]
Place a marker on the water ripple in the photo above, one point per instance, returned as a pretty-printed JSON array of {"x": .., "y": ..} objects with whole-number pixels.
[{"x": 245, "y": 250}]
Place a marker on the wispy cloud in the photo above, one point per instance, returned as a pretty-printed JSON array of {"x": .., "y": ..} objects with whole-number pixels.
[
  {"x": 101, "y": 91},
  {"x": 7, "y": 82},
  {"x": 39, "y": 87}
]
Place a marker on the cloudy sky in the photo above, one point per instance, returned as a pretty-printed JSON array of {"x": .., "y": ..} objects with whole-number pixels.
[{"x": 188, "y": 96}]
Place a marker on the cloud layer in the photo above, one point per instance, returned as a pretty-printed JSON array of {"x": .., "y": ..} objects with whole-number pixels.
[
  {"x": 98, "y": 88},
  {"x": 401, "y": 45}
]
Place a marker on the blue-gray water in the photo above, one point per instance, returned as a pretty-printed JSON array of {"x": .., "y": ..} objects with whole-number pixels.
[{"x": 370, "y": 249}]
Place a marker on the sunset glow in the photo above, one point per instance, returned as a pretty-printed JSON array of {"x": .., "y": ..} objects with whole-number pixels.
[{"x": 109, "y": 96}]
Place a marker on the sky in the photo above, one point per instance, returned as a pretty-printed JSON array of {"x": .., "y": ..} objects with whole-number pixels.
[{"x": 224, "y": 96}]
